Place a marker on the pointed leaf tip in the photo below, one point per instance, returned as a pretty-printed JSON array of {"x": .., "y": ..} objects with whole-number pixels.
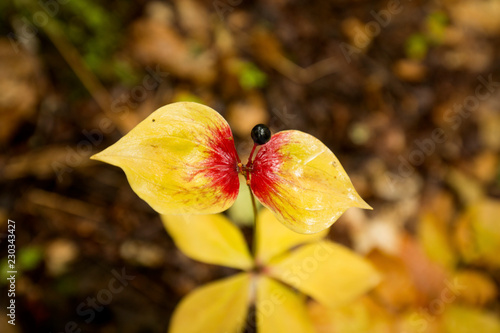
[
  {"x": 302, "y": 182},
  {"x": 280, "y": 309},
  {"x": 180, "y": 160},
  {"x": 97, "y": 156},
  {"x": 219, "y": 306}
]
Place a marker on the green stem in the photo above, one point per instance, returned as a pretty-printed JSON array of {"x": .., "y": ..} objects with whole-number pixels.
[
  {"x": 248, "y": 168},
  {"x": 254, "y": 206}
]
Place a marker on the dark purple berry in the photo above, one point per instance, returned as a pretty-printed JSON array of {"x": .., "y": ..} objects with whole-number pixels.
[{"x": 261, "y": 134}]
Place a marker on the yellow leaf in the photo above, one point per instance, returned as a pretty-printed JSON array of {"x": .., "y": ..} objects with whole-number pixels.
[
  {"x": 429, "y": 278},
  {"x": 329, "y": 273},
  {"x": 419, "y": 321},
  {"x": 211, "y": 239},
  {"x": 478, "y": 235},
  {"x": 280, "y": 309},
  {"x": 397, "y": 289},
  {"x": 302, "y": 182},
  {"x": 477, "y": 288},
  {"x": 273, "y": 238},
  {"x": 220, "y": 306},
  {"x": 180, "y": 160},
  {"x": 433, "y": 235},
  {"x": 362, "y": 315},
  {"x": 460, "y": 319}
]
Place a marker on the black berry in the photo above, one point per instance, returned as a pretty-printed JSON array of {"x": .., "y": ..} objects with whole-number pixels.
[{"x": 261, "y": 134}]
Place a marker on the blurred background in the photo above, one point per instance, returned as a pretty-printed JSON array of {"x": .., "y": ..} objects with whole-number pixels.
[{"x": 405, "y": 93}]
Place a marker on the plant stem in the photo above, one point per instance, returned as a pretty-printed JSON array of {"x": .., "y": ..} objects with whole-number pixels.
[
  {"x": 251, "y": 154},
  {"x": 248, "y": 168},
  {"x": 254, "y": 206}
]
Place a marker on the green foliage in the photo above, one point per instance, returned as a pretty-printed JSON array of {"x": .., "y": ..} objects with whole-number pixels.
[
  {"x": 185, "y": 96},
  {"x": 125, "y": 73},
  {"x": 66, "y": 285},
  {"x": 94, "y": 30},
  {"x": 417, "y": 45},
  {"x": 250, "y": 76},
  {"x": 436, "y": 24},
  {"x": 29, "y": 257},
  {"x": 4, "y": 267}
]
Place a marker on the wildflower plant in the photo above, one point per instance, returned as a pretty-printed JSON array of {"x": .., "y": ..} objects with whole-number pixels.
[
  {"x": 283, "y": 263},
  {"x": 182, "y": 161}
]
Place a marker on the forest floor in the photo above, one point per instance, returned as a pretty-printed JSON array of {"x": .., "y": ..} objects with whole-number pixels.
[{"x": 405, "y": 93}]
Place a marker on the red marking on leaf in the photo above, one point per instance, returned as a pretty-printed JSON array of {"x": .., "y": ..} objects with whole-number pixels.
[
  {"x": 266, "y": 166},
  {"x": 221, "y": 166}
]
